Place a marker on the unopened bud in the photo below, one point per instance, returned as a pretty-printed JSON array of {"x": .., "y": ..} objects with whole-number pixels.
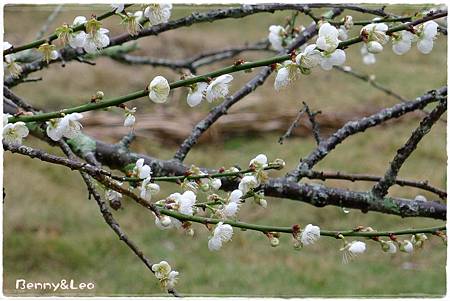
[
  {"x": 190, "y": 232},
  {"x": 99, "y": 95},
  {"x": 263, "y": 203},
  {"x": 165, "y": 220},
  {"x": 280, "y": 162},
  {"x": 274, "y": 242}
]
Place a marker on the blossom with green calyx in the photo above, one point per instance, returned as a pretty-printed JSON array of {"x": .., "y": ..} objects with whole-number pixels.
[
  {"x": 49, "y": 52},
  {"x": 418, "y": 240}
]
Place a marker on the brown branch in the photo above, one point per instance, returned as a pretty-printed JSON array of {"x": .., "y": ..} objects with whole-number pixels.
[{"x": 382, "y": 187}]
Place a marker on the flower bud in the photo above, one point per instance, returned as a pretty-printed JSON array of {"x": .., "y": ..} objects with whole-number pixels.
[
  {"x": 388, "y": 247},
  {"x": 406, "y": 246},
  {"x": 274, "y": 242},
  {"x": 165, "y": 220},
  {"x": 190, "y": 232},
  {"x": 280, "y": 162},
  {"x": 263, "y": 203},
  {"x": 374, "y": 47},
  {"x": 99, "y": 95}
]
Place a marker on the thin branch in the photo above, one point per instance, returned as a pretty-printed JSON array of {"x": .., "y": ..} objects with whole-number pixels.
[
  {"x": 382, "y": 187},
  {"x": 326, "y": 175},
  {"x": 293, "y": 125},
  {"x": 371, "y": 81},
  {"x": 314, "y": 125},
  {"x": 358, "y": 126}
]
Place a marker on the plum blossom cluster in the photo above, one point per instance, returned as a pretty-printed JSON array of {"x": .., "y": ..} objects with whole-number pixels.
[
  {"x": 91, "y": 39},
  {"x": 216, "y": 90},
  {"x": 201, "y": 198},
  {"x": 375, "y": 37},
  {"x": 354, "y": 248},
  {"x": 134, "y": 21},
  {"x": 324, "y": 52},
  {"x": 166, "y": 276}
]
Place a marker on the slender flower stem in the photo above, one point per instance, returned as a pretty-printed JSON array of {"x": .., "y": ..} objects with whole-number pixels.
[
  {"x": 197, "y": 177},
  {"x": 201, "y": 78},
  {"x": 265, "y": 228},
  {"x": 54, "y": 36}
]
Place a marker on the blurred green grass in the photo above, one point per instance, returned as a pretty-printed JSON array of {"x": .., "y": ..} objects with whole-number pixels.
[{"x": 52, "y": 231}]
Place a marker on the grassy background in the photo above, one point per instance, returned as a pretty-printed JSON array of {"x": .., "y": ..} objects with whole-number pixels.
[{"x": 52, "y": 231}]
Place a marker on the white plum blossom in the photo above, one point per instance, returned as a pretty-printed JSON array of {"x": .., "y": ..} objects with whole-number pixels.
[
  {"x": 172, "y": 279},
  {"x": 96, "y": 40},
  {"x": 406, "y": 246},
  {"x": 235, "y": 196},
  {"x": 287, "y": 73},
  {"x": 276, "y": 35},
  {"x": 159, "y": 89},
  {"x": 164, "y": 222},
  {"x": 14, "y": 68},
  {"x": 368, "y": 58},
  {"x": 374, "y": 47},
  {"x": 401, "y": 42},
  {"x": 310, "y": 235},
  {"x": 14, "y": 132},
  {"x": 309, "y": 58},
  {"x": 185, "y": 202},
  {"x": 222, "y": 233},
  {"x": 132, "y": 22},
  {"x": 130, "y": 119},
  {"x": 77, "y": 39},
  {"x": 233, "y": 206},
  {"x": 68, "y": 126},
  {"x": 165, "y": 275},
  {"x": 158, "y": 13},
  {"x": 118, "y": 7},
  {"x": 426, "y": 34},
  {"x": 388, "y": 247},
  {"x": 161, "y": 269},
  {"x": 215, "y": 183},
  {"x": 230, "y": 209},
  {"x": 335, "y": 58},
  {"x": 141, "y": 170},
  {"x": 351, "y": 250},
  {"x": 196, "y": 93},
  {"x": 375, "y": 34},
  {"x": 48, "y": 52},
  {"x": 328, "y": 39},
  {"x": 218, "y": 88},
  {"x": 148, "y": 189},
  {"x": 259, "y": 161},
  {"x": 247, "y": 183}
]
